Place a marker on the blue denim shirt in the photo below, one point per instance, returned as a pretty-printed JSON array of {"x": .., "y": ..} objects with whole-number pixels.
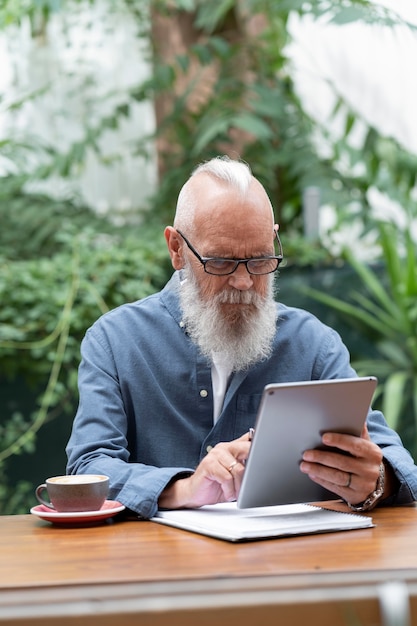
[{"x": 145, "y": 411}]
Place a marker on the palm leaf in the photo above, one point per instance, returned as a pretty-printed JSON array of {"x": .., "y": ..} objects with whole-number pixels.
[
  {"x": 390, "y": 245},
  {"x": 411, "y": 274},
  {"x": 393, "y": 397},
  {"x": 389, "y": 319},
  {"x": 373, "y": 284},
  {"x": 347, "y": 309},
  {"x": 396, "y": 354}
]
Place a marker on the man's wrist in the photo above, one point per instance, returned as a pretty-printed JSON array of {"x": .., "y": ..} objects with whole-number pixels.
[
  {"x": 392, "y": 484},
  {"x": 371, "y": 501},
  {"x": 174, "y": 495}
]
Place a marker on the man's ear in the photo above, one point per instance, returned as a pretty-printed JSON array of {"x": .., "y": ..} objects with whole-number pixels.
[{"x": 175, "y": 247}]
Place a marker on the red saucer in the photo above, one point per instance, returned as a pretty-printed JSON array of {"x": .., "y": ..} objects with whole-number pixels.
[{"x": 109, "y": 509}]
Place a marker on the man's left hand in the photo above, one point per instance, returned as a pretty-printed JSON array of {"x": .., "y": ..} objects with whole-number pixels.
[{"x": 352, "y": 476}]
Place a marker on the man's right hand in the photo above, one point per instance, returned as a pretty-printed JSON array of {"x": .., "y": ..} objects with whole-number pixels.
[{"x": 216, "y": 479}]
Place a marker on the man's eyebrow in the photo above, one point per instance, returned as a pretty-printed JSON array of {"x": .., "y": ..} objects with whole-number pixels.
[
  {"x": 259, "y": 255},
  {"x": 228, "y": 255}
]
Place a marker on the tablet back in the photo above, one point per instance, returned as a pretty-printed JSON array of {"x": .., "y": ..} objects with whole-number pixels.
[{"x": 291, "y": 418}]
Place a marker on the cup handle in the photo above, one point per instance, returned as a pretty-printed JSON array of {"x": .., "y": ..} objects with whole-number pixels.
[{"x": 39, "y": 490}]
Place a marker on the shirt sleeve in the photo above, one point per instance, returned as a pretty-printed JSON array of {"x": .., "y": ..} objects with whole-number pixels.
[
  {"x": 99, "y": 440},
  {"x": 397, "y": 456}
]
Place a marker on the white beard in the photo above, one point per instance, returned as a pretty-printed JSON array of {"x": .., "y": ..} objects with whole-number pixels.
[{"x": 243, "y": 335}]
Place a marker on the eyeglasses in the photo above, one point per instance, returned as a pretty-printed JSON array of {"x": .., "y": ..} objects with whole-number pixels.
[{"x": 222, "y": 267}]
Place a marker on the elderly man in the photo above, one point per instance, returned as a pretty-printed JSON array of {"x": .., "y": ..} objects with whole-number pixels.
[{"x": 170, "y": 385}]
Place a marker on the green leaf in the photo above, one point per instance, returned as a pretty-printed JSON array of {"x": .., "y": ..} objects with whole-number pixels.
[
  {"x": 372, "y": 283},
  {"x": 186, "y": 5},
  {"x": 253, "y": 125},
  {"x": 183, "y": 61},
  {"x": 211, "y": 14},
  {"x": 395, "y": 354},
  {"x": 349, "y": 123},
  {"x": 203, "y": 53},
  {"x": 211, "y": 129},
  {"x": 347, "y": 309},
  {"x": 221, "y": 46},
  {"x": 410, "y": 274},
  {"x": 394, "y": 394}
]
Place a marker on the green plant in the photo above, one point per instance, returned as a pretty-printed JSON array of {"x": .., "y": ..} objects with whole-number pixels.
[
  {"x": 48, "y": 304},
  {"x": 384, "y": 310},
  {"x": 247, "y": 107}
]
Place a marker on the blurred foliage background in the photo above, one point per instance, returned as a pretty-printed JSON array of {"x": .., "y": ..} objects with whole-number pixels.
[{"x": 220, "y": 82}]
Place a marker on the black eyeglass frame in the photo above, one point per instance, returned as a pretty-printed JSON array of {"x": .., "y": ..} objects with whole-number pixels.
[{"x": 204, "y": 260}]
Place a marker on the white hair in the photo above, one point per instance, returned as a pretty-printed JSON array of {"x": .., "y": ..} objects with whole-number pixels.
[{"x": 237, "y": 174}]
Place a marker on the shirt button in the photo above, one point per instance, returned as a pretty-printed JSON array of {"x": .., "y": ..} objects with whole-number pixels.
[
  {"x": 204, "y": 393},
  {"x": 209, "y": 448},
  {"x": 182, "y": 324}
]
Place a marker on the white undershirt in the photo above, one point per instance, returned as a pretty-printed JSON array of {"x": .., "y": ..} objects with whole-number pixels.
[{"x": 220, "y": 372}]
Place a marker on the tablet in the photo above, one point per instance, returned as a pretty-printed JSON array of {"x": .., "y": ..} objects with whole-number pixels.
[{"x": 292, "y": 418}]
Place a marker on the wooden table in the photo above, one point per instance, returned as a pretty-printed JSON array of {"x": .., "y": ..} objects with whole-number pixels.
[{"x": 136, "y": 572}]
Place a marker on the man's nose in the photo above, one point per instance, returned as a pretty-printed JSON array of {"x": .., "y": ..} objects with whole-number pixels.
[{"x": 241, "y": 279}]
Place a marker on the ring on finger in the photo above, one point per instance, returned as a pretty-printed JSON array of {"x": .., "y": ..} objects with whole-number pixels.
[
  {"x": 349, "y": 480},
  {"x": 230, "y": 468}
]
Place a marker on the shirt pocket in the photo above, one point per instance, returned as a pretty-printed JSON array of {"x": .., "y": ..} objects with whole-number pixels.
[{"x": 246, "y": 411}]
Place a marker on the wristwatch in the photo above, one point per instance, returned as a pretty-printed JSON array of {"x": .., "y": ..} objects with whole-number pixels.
[{"x": 373, "y": 497}]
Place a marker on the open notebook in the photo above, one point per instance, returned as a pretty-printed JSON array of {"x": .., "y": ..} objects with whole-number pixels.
[{"x": 226, "y": 521}]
